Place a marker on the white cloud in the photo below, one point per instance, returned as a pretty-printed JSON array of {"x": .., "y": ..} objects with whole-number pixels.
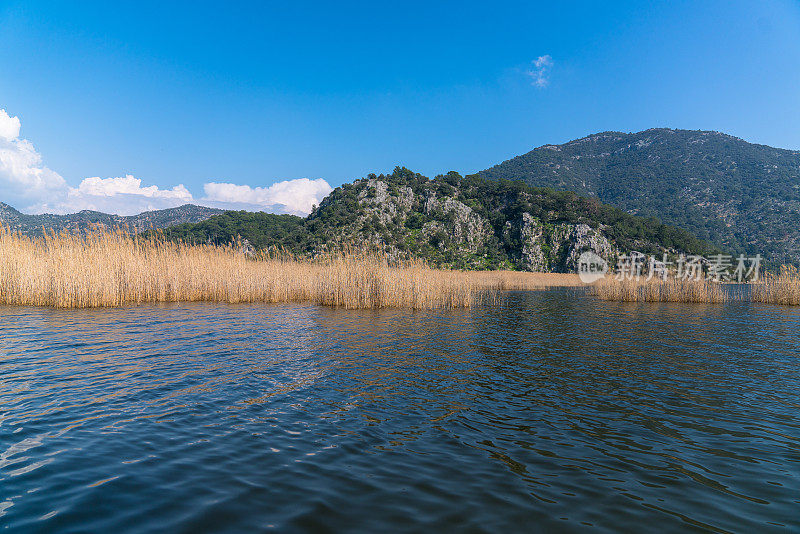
[
  {"x": 9, "y": 126},
  {"x": 123, "y": 195},
  {"x": 128, "y": 185},
  {"x": 23, "y": 176},
  {"x": 540, "y": 71},
  {"x": 27, "y": 184},
  {"x": 290, "y": 196}
]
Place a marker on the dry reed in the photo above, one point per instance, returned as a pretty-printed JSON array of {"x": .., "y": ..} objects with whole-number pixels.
[
  {"x": 111, "y": 268},
  {"x": 108, "y": 268},
  {"x": 520, "y": 280},
  {"x": 657, "y": 290},
  {"x": 781, "y": 288}
]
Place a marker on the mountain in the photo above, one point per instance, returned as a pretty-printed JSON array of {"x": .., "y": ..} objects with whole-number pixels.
[
  {"x": 740, "y": 196},
  {"x": 452, "y": 221},
  {"x": 84, "y": 220},
  {"x": 260, "y": 230}
]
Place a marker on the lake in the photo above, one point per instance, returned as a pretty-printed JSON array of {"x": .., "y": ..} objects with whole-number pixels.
[{"x": 554, "y": 411}]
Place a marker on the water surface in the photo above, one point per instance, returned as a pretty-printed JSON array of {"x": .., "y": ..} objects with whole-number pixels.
[{"x": 555, "y": 411}]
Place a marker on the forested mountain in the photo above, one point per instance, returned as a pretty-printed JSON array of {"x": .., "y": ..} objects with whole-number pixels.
[
  {"x": 84, "y": 220},
  {"x": 260, "y": 230},
  {"x": 452, "y": 221},
  {"x": 740, "y": 196}
]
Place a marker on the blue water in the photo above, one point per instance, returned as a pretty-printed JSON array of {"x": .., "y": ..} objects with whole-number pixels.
[{"x": 552, "y": 412}]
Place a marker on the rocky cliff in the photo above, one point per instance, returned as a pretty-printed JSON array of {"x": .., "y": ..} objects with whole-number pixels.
[
  {"x": 741, "y": 196},
  {"x": 451, "y": 221},
  {"x": 474, "y": 224}
]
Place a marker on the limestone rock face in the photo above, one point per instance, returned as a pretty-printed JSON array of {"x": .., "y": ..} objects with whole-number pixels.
[
  {"x": 405, "y": 216},
  {"x": 378, "y": 200},
  {"x": 531, "y": 233},
  {"x": 464, "y": 227},
  {"x": 556, "y": 247},
  {"x": 580, "y": 238}
]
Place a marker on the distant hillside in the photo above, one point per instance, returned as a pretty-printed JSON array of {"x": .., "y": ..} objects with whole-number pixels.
[
  {"x": 738, "y": 195},
  {"x": 452, "y": 221},
  {"x": 261, "y": 230},
  {"x": 81, "y": 221}
]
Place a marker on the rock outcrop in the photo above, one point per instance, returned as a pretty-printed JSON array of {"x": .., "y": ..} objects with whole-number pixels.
[{"x": 464, "y": 223}]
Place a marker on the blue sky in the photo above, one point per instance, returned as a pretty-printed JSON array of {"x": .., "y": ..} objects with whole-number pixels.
[{"x": 142, "y": 97}]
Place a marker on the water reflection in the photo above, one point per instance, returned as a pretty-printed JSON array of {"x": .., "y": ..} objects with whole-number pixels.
[{"x": 553, "y": 411}]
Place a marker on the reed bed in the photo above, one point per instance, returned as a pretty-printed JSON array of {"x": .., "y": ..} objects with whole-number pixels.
[
  {"x": 782, "y": 288},
  {"x": 520, "y": 280},
  {"x": 658, "y": 290},
  {"x": 110, "y": 268}
]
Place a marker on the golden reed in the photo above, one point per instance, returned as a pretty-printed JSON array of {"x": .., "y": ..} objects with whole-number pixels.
[
  {"x": 110, "y": 268},
  {"x": 521, "y": 280},
  {"x": 781, "y": 288},
  {"x": 657, "y": 290}
]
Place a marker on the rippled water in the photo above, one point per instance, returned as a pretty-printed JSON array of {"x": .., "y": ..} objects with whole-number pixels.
[{"x": 555, "y": 411}]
